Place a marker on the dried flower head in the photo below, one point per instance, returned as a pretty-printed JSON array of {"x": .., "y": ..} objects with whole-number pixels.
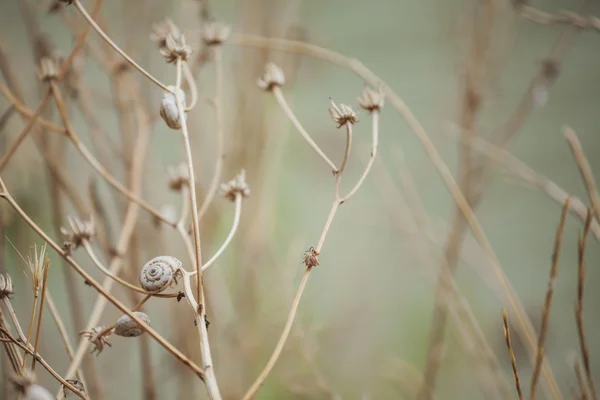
[
  {"x": 161, "y": 30},
  {"x": 6, "y": 287},
  {"x": 37, "y": 264},
  {"x": 371, "y": 100},
  {"x": 98, "y": 337},
  {"x": 80, "y": 231},
  {"x": 237, "y": 185},
  {"x": 175, "y": 48},
  {"x": 311, "y": 257},
  {"x": 48, "y": 69},
  {"x": 215, "y": 33},
  {"x": 273, "y": 77},
  {"x": 75, "y": 383},
  {"x": 179, "y": 176},
  {"x": 343, "y": 114},
  {"x": 168, "y": 107}
]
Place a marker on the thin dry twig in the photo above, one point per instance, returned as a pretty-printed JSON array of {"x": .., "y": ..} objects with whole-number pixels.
[
  {"x": 564, "y": 17},
  {"x": 583, "y": 393},
  {"x": 511, "y": 353},
  {"x": 548, "y": 302},
  {"x": 585, "y": 351}
]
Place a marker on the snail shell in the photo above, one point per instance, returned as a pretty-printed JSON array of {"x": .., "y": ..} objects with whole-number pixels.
[
  {"x": 168, "y": 108},
  {"x": 37, "y": 392},
  {"x": 158, "y": 273},
  {"x": 127, "y": 327}
]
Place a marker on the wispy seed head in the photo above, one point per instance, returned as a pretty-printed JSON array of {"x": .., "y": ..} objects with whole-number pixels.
[
  {"x": 273, "y": 77},
  {"x": 215, "y": 33},
  {"x": 236, "y": 186}
]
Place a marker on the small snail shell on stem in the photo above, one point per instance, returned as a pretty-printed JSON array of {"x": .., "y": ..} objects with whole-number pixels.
[
  {"x": 168, "y": 108},
  {"x": 127, "y": 327},
  {"x": 158, "y": 273}
]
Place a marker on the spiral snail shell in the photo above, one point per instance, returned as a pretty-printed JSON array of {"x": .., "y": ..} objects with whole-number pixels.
[
  {"x": 158, "y": 273},
  {"x": 127, "y": 327}
]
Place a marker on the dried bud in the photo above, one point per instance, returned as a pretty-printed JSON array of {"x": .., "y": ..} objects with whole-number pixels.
[
  {"x": 127, "y": 327},
  {"x": 48, "y": 69},
  {"x": 168, "y": 108},
  {"x": 342, "y": 115},
  {"x": 179, "y": 176},
  {"x": 311, "y": 257},
  {"x": 175, "y": 48},
  {"x": 80, "y": 231},
  {"x": 371, "y": 100},
  {"x": 75, "y": 383},
  {"x": 97, "y": 337},
  {"x": 215, "y": 33},
  {"x": 272, "y": 78},
  {"x": 6, "y": 287},
  {"x": 237, "y": 185},
  {"x": 161, "y": 30}
]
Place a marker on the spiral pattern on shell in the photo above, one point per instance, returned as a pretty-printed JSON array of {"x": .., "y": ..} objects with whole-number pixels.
[
  {"x": 127, "y": 327},
  {"x": 158, "y": 273}
]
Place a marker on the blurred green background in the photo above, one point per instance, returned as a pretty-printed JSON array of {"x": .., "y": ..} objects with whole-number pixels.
[{"x": 370, "y": 302}]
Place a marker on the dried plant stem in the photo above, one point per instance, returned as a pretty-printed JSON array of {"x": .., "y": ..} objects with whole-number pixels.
[
  {"x": 585, "y": 351},
  {"x": 374, "y": 145},
  {"x": 30, "y": 329},
  {"x": 564, "y": 17},
  {"x": 292, "y": 117},
  {"x": 532, "y": 178},
  {"x": 234, "y": 227},
  {"x": 396, "y": 101},
  {"x": 90, "y": 251},
  {"x": 583, "y": 394},
  {"x": 62, "y": 330},
  {"x": 200, "y": 310},
  {"x": 101, "y": 170},
  {"x": 191, "y": 82},
  {"x": 41, "y": 313},
  {"x": 548, "y": 302},
  {"x": 64, "y": 68},
  {"x": 26, "y": 112},
  {"x": 511, "y": 353},
  {"x": 108, "y": 40},
  {"x": 296, "y": 302},
  {"x": 584, "y": 167},
  {"x": 13, "y": 317},
  {"x": 181, "y": 228},
  {"x": 39, "y": 358},
  {"x": 219, "y": 132},
  {"x": 23, "y": 134},
  {"x": 159, "y": 338}
]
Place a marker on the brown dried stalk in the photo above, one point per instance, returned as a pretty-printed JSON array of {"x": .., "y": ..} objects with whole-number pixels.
[
  {"x": 64, "y": 68},
  {"x": 584, "y": 167},
  {"x": 585, "y": 352},
  {"x": 396, "y": 101},
  {"x": 511, "y": 353},
  {"x": 294, "y": 120},
  {"x": 548, "y": 303},
  {"x": 583, "y": 394},
  {"x": 564, "y": 17},
  {"x": 93, "y": 283},
  {"x": 108, "y": 40},
  {"x": 41, "y": 313},
  {"x": 314, "y": 253},
  {"x": 38, "y": 357}
]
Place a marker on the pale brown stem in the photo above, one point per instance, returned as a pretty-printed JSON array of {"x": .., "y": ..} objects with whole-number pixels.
[
  {"x": 191, "y": 82},
  {"x": 93, "y": 283},
  {"x": 108, "y": 40},
  {"x": 292, "y": 117},
  {"x": 41, "y": 313}
]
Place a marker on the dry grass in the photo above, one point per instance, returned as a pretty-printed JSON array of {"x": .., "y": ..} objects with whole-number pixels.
[{"x": 120, "y": 225}]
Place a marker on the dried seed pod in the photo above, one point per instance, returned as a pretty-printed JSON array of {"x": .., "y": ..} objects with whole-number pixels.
[
  {"x": 168, "y": 108},
  {"x": 127, "y": 327},
  {"x": 158, "y": 273}
]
